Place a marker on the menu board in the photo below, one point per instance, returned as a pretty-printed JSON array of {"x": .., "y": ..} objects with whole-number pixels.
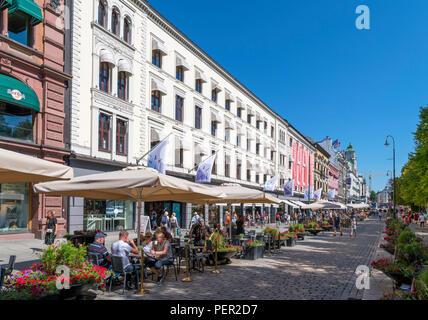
[{"x": 145, "y": 220}]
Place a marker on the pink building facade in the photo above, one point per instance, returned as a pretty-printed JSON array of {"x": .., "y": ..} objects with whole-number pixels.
[
  {"x": 31, "y": 61},
  {"x": 302, "y": 165}
]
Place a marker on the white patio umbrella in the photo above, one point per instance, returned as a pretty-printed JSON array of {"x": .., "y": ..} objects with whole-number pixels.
[
  {"x": 133, "y": 183},
  {"x": 17, "y": 167},
  {"x": 235, "y": 193}
]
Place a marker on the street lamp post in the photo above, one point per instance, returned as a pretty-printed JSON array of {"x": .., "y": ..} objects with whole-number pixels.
[{"x": 393, "y": 169}]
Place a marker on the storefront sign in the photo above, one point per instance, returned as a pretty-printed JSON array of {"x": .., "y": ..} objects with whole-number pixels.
[
  {"x": 145, "y": 220},
  {"x": 16, "y": 94}
]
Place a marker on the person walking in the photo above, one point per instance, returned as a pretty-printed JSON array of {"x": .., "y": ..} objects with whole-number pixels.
[
  {"x": 422, "y": 220},
  {"x": 153, "y": 220},
  {"x": 51, "y": 228},
  {"x": 337, "y": 224},
  {"x": 354, "y": 227},
  {"x": 173, "y": 224}
]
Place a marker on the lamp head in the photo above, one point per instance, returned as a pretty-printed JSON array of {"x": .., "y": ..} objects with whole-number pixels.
[{"x": 386, "y": 142}]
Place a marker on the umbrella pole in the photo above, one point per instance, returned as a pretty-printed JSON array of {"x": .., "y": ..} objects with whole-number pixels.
[{"x": 142, "y": 291}]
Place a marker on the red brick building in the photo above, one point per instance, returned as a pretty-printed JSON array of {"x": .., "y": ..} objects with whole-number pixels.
[{"x": 32, "y": 89}]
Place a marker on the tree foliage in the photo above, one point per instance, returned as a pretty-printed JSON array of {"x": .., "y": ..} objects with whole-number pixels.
[{"x": 412, "y": 186}]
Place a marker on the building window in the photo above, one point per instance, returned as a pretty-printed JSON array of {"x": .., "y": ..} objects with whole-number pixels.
[
  {"x": 102, "y": 14},
  {"x": 127, "y": 30},
  {"x": 15, "y": 203},
  {"x": 291, "y": 142},
  {"x": 226, "y": 167},
  {"x": 179, "y": 102},
  {"x": 179, "y": 153},
  {"x": 121, "y": 137},
  {"x": 179, "y": 73},
  {"x": 239, "y": 112},
  {"x": 265, "y": 126},
  {"x": 122, "y": 86},
  {"x": 272, "y": 153},
  {"x": 289, "y": 165},
  {"x": 227, "y": 135},
  {"x": 248, "y": 145},
  {"x": 258, "y": 148},
  {"x": 257, "y": 178},
  {"x": 248, "y": 175},
  {"x": 157, "y": 58},
  {"x": 198, "y": 85},
  {"x": 238, "y": 140},
  {"x": 20, "y": 28},
  {"x": 16, "y": 122},
  {"x": 104, "y": 211},
  {"x": 115, "y": 22},
  {"x": 214, "y": 95},
  {"x": 258, "y": 124},
  {"x": 156, "y": 101},
  {"x": 238, "y": 170},
  {"x": 104, "y": 77},
  {"x": 213, "y": 128},
  {"x": 104, "y": 132},
  {"x": 272, "y": 131},
  {"x": 249, "y": 118},
  {"x": 198, "y": 117},
  {"x": 227, "y": 105},
  {"x": 214, "y": 171}
]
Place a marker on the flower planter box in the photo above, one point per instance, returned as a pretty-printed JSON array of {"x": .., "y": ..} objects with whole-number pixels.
[
  {"x": 389, "y": 250},
  {"x": 314, "y": 232},
  {"x": 291, "y": 242},
  {"x": 327, "y": 228},
  {"x": 76, "y": 291},
  {"x": 301, "y": 236},
  {"x": 399, "y": 278},
  {"x": 254, "y": 253}
]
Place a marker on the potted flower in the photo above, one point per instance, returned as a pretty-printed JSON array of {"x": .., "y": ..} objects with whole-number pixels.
[
  {"x": 314, "y": 228},
  {"x": 253, "y": 249}
]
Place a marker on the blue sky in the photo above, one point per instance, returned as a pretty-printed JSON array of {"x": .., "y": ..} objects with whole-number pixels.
[{"x": 308, "y": 61}]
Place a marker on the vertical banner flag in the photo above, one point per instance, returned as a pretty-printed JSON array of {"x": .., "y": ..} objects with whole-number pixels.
[
  {"x": 288, "y": 188},
  {"x": 157, "y": 157},
  {"x": 317, "y": 194},
  {"x": 331, "y": 194},
  {"x": 203, "y": 175},
  {"x": 270, "y": 184},
  {"x": 310, "y": 190}
]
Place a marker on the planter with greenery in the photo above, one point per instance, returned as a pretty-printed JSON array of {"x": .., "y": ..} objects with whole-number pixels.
[{"x": 253, "y": 250}]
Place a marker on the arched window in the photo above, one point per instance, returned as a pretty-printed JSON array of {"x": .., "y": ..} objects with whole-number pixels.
[
  {"x": 102, "y": 14},
  {"x": 104, "y": 77},
  {"x": 115, "y": 22},
  {"x": 127, "y": 30}
]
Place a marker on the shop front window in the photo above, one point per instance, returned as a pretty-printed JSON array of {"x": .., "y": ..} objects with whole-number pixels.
[
  {"x": 16, "y": 122},
  {"x": 108, "y": 215},
  {"x": 14, "y": 207}
]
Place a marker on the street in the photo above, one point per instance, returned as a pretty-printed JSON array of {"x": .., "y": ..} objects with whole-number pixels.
[{"x": 319, "y": 267}]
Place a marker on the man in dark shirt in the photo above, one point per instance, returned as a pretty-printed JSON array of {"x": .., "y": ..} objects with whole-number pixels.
[
  {"x": 200, "y": 232},
  {"x": 337, "y": 226},
  {"x": 98, "y": 248}
]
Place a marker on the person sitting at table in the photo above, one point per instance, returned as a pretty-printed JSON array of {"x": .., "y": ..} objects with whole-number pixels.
[
  {"x": 122, "y": 248},
  {"x": 167, "y": 235},
  {"x": 162, "y": 252},
  {"x": 149, "y": 259},
  {"x": 98, "y": 249}
]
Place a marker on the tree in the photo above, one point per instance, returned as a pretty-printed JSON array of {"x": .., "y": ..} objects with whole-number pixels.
[
  {"x": 412, "y": 186},
  {"x": 373, "y": 196}
]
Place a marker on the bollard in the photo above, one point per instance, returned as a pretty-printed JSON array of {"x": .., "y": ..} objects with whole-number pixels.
[
  {"x": 187, "y": 279},
  {"x": 269, "y": 246},
  {"x": 216, "y": 271},
  {"x": 142, "y": 291}
]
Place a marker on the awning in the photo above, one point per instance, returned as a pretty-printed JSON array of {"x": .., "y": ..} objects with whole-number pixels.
[
  {"x": 107, "y": 56},
  {"x": 125, "y": 66},
  {"x": 239, "y": 104},
  {"x": 18, "y": 168},
  {"x": 28, "y": 7},
  {"x": 181, "y": 62},
  {"x": 299, "y": 203},
  {"x": 216, "y": 87},
  {"x": 230, "y": 97},
  {"x": 250, "y": 111},
  {"x": 251, "y": 135},
  {"x": 240, "y": 131},
  {"x": 250, "y": 165},
  {"x": 202, "y": 150},
  {"x": 5, "y": 4},
  {"x": 272, "y": 147},
  {"x": 229, "y": 125},
  {"x": 17, "y": 92},
  {"x": 158, "y": 45},
  {"x": 157, "y": 85},
  {"x": 215, "y": 116},
  {"x": 289, "y": 203},
  {"x": 258, "y": 119},
  {"x": 199, "y": 75}
]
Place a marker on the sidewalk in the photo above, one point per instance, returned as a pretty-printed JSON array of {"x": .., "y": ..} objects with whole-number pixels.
[
  {"x": 380, "y": 284},
  {"x": 420, "y": 232}
]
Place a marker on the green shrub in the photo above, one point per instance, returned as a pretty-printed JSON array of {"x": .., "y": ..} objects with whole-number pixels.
[{"x": 406, "y": 237}]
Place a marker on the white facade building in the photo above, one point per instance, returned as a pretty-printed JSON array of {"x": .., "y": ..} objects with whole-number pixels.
[{"x": 136, "y": 80}]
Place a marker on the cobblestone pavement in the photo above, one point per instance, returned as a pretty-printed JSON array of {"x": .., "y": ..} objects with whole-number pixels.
[{"x": 320, "y": 267}]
